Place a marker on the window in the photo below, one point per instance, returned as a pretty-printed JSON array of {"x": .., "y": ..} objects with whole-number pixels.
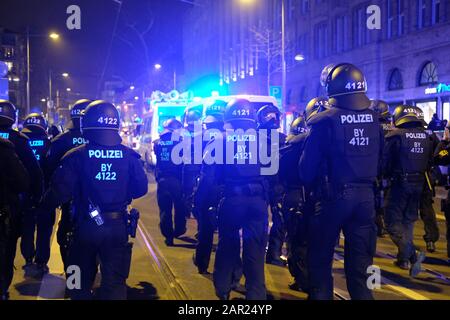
[
  {"x": 400, "y": 17},
  {"x": 305, "y": 6},
  {"x": 302, "y": 45},
  {"x": 390, "y": 18},
  {"x": 428, "y": 74},
  {"x": 436, "y": 5},
  {"x": 321, "y": 40},
  {"x": 361, "y": 35},
  {"x": 395, "y": 81},
  {"x": 421, "y": 13},
  {"x": 341, "y": 34}
]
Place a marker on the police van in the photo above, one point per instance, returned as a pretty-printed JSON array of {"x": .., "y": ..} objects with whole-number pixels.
[
  {"x": 177, "y": 107},
  {"x": 162, "y": 108}
]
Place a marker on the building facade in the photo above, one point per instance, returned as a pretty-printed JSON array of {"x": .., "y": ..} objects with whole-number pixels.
[
  {"x": 405, "y": 60},
  {"x": 13, "y": 53}
]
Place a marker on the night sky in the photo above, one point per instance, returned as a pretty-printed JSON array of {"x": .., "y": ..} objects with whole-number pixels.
[{"x": 83, "y": 53}]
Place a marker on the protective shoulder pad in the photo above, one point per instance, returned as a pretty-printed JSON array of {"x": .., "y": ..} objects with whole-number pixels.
[
  {"x": 74, "y": 152},
  {"x": 131, "y": 152},
  {"x": 6, "y": 143},
  {"x": 320, "y": 117}
]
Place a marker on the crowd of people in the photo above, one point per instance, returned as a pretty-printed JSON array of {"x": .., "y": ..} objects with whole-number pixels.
[{"x": 346, "y": 166}]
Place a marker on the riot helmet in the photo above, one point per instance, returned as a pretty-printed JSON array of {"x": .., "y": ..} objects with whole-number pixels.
[
  {"x": 268, "y": 117},
  {"x": 298, "y": 126},
  {"x": 346, "y": 86},
  {"x": 100, "y": 123},
  {"x": 35, "y": 122},
  {"x": 405, "y": 115},
  {"x": 170, "y": 125},
  {"x": 240, "y": 113},
  {"x": 382, "y": 109},
  {"x": 316, "y": 106},
  {"x": 191, "y": 117},
  {"x": 7, "y": 113},
  {"x": 214, "y": 114},
  {"x": 76, "y": 112}
]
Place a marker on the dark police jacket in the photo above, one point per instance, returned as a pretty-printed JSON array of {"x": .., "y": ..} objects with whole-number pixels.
[
  {"x": 17, "y": 180},
  {"x": 235, "y": 168},
  {"x": 60, "y": 145},
  {"x": 164, "y": 165},
  {"x": 347, "y": 143},
  {"x": 28, "y": 159},
  {"x": 289, "y": 158},
  {"x": 407, "y": 151},
  {"x": 107, "y": 177},
  {"x": 40, "y": 144}
]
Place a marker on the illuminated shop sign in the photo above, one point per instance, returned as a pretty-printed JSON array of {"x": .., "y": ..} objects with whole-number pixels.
[{"x": 442, "y": 87}]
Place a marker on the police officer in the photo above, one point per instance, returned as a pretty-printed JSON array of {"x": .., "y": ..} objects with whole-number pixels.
[
  {"x": 297, "y": 201},
  {"x": 207, "y": 211},
  {"x": 244, "y": 203},
  {"x": 269, "y": 120},
  {"x": 14, "y": 180},
  {"x": 35, "y": 128},
  {"x": 60, "y": 145},
  {"x": 191, "y": 170},
  {"x": 426, "y": 209},
  {"x": 442, "y": 158},
  {"x": 168, "y": 178},
  {"x": 102, "y": 177},
  {"x": 23, "y": 149},
  {"x": 407, "y": 155},
  {"x": 385, "y": 118},
  {"x": 340, "y": 160}
]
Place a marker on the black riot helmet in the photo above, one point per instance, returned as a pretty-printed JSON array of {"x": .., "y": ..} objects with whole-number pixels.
[
  {"x": 214, "y": 114},
  {"x": 316, "y": 106},
  {"x": 76, "y": 112},
  {"x": 408, "y": 116},
  {"x": 346, "y": 86},
  {"x": 191, "y": 117},
  {"x": 382, "y": 109},
  {"x": 298, "y": 126},
  {"x": 100, "y": 123},
  {"x": 7, "y": 113},
  {"x": 170, "y": 125},
  {"x": 240, "y": 113},
  {"x": 268, "y": 117},
  {"x": 35, "y": 121}
]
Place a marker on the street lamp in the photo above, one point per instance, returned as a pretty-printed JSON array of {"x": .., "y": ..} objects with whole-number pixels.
[
  {"x": 54, "y": 36},
  {"x": 68, "y": 89},
  {"x": 299, "y": 57},
  {"x": 131, "y": 87},
  {"x": 159, "y": 66},
  {"x": 65, "y": 75},
  {"x": 247, "y": 2}
]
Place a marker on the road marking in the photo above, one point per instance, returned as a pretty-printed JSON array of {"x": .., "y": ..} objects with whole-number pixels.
[
  {"x": 166, "y": 273},
  {"x": 392, "y": 284}
]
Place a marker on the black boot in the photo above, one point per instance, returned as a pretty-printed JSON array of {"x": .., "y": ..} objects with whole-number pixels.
[{"x": 431, "y": 247}]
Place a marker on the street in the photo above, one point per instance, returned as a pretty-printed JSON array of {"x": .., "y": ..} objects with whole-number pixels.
[{"x": 167, "y": 273}]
